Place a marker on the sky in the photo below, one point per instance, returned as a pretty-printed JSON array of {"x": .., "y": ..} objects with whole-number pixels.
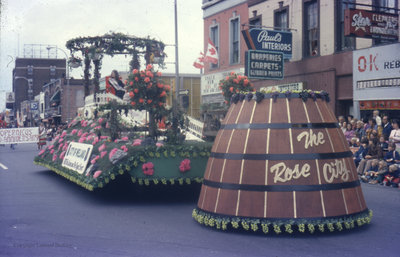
[{"x": 54, "y": 22}]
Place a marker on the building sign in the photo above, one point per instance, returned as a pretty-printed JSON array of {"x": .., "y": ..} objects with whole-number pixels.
[
  {"x": 210, "y": 82},
  {"x": 10, "y": 97},
  {"x": 383, "y": 105},
  {"x": 368, "y": 24},
  {"x": 264, "y": 65},
  {"x": 297, "y": 86},
  {"x": 269, "y": 40},
  {"x": 19, "y": 135},
  {"x": 77, "y": 156}
]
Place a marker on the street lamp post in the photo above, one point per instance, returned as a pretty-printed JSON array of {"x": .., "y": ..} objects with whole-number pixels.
[{"x": 67, "y": 77}]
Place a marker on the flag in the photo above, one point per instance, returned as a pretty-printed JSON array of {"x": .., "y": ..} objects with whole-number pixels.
[
  {"x": 199, "y": 62},
  {"x": 211, "y": 54}
]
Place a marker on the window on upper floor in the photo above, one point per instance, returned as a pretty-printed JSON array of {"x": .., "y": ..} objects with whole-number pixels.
[
  {"x": 234, "y": 41},
  {"x": 30, "y": 69},
  {"x": 311, "y": 28},
  {"x": 281, "y": 18},
  {"x": 343, "y": 42},
  {"x": 214, "y": 36},
  {"x": 382, "y": 6},
  {"x": 255, "y": 21}
]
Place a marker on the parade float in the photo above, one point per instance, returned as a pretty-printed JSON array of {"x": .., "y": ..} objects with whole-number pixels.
[
  {"x": 93, "y": 151},
  {"x": 280, "y": 163}
]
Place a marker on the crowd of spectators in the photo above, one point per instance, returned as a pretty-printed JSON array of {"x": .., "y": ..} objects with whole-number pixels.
[{"x": 376, "y": 147}]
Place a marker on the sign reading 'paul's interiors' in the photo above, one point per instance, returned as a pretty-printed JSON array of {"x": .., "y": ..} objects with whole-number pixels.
[
  {"x": 269, "y": 40},
  {"x": 77, "y": 156}
]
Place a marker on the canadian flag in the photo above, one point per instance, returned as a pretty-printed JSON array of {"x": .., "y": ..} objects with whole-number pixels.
[
  {"x": 199, "y": 62},
  {"x": 211, "y": 54}
]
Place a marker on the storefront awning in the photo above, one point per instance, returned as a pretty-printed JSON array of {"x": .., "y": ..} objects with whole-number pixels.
[{"x": 55, "y": 99}]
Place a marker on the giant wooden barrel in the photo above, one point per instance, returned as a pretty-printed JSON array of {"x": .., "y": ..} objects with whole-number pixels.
[{"x": 280, "y": 162}]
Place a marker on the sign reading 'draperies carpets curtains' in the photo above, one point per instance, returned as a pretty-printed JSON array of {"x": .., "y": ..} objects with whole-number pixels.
[
  {"x": 369, "y": 24},
  {"x": 264, "y": 65},
  {"x": 77, "y": 156}
]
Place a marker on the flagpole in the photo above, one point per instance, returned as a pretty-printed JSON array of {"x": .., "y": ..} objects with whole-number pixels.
[{"x": 177, "y": 82}]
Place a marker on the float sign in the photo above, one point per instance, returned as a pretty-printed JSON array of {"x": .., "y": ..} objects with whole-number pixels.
[
  {"x": 269, "y": 40},
  {"x": 77, "y": 156},
  {"x": 264, "y": 65}
]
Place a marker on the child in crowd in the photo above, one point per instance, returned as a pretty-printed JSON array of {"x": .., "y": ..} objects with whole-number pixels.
[
  {"x": 393, "y": 176},
  {"x": 370, "y": 174},
  {"x": 379, "y": 175},
  {"x": 392, "y": 156},
  {"x": 383, "y": 143},
  {"x": 362, "y": 152},
  {"x": 354, "y": 142}
]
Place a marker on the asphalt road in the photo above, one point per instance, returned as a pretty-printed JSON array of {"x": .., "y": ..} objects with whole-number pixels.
[{"x": 42, "y": 214}]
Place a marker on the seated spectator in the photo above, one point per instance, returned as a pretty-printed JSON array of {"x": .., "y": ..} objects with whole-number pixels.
[
  {"x": 378, "y": 176},
  {"x": 349, "y": 133},
  {"x": 395, "y": 134},
  {"x": 354, "y": 142},
  {"x": 361, "y": 153},
  {"x": 360, "y": 131},
  {"x": 392, "y": 156},
  {"x": 393, "y": 176},
  {"x": 344, "y": 126},
  {"x": 369, "y": 174},
  {"x": 383, "y": 144},
  {"x": 374, "y": 152}
]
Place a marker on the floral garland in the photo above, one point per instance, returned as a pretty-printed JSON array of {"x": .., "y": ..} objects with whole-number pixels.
[
  {"x": 234, "y": 84},
  {"x": 282, "y": 225},
  {"x": 104, "y": 165}
]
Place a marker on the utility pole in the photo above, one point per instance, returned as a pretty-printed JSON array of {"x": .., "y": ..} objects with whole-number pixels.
[{"x": 177, "y": 82}]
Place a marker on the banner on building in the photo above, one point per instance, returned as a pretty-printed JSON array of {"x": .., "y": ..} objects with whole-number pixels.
[
  {"x": 10, "y": 97},
  {"x": 297, "y": 86},
  {"x": 369, "y": 24},
  {"x": 77, "y": 156},
  {"x": 19, "y": 135},
  {"x": 269, "y": 40}
]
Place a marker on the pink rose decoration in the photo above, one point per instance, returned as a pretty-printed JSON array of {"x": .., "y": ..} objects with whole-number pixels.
[
  {"x": 51, "y": 147},
  {"x": 107, "y": 125},
  {"x": 184, "y": 166},
  {"x": 73, "y": 132},
  {"x": 84, "y": 134},
  {"x": 159, "y": 144},
  {"x": 97, "y": 127},
  {"x": 125, "y": 139},
  {"x": 95, "y": 141},
  {"x": 100, "y": 120},
  {"x": 62, "y": 155},
  {"x": 112, "y": 152},
  {"x": 137, "y": 142},
  {"x": 82, "y": 139},
  {"x": 102, "y": 147},
  {"x": 52, "y": 151},
  {"x": 54, "y": 157},
  {"x": 65, "y": 147},
  {"x": 124, "y": 148},
  {"x": 104, "y": 137},
  {"x": 80, "y": 132},
  {"x": 97, "y": 173},
  {"x": 59, "y": 147},
  {"x": 41, "y": 151},
  {"x": 93, "y": 161},
  {"x": 64, "y": 133},
  {"x": 103, "y": 153},
  {"x": 93, "y": 125},
  {"x": 148, "y": 168},
  {"x": 56, "y": 138}
]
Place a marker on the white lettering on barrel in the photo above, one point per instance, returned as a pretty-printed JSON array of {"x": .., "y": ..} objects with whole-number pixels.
[
  {"x": 311, "y": 139},
  {"x": 284, "y": 174},
  {"x": 334, "y": 170}
]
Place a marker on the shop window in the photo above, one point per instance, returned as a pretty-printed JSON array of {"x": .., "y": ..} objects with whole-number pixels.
[
  {"x": 30, "y": 69},
  {"x": 343, "y": 43},
  {"x": 214, "y": 36},
  {"x": 234, "y": 42},
  {"x": 311, "y": 28},
  {"x": 255, "y": 22}
]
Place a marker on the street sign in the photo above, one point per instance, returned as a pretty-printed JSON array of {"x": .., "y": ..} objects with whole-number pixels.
[
  {"x": 184, "y": 91},
  {"x": 34, "y": 105},
  {"x": 269, "y": 40},
  {"x": 264, "y": 65}
]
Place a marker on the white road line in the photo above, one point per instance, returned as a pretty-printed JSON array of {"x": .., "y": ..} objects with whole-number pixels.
[{"x": 3, "y": 166}]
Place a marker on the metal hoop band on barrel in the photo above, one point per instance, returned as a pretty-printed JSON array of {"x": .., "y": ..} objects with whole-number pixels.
[
  {"x": 298, "y": 156},
  {"x": 280, "y": 126}
]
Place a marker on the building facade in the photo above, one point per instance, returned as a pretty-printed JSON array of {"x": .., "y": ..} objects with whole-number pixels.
[{"x": 321, "y": 57}]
